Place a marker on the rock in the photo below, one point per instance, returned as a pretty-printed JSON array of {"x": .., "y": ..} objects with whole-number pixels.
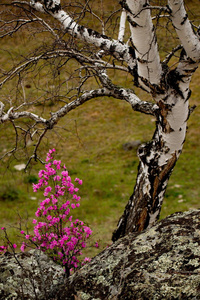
[
  {"x": 29, "y": 275},
  {"x": 20, "y": 167},
  {"x": 162, "y": 262},
  {"x": 131, "y": 145}
]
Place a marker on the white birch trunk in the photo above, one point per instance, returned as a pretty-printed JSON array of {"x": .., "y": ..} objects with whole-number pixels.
[
  {"x": 144, "y": 41},
  {"x": 158, "y": 157}
]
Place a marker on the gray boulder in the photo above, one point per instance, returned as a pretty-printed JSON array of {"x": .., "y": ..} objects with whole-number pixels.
[
  {"x": 162, "y": 262},
  {"x": 29, "y": 275}
]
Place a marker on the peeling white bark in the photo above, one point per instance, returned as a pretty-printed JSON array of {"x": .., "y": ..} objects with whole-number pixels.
[
  {"x": 177, "y": 120},
  {"x": 144, "y": 40},
  {"x": 122, "y": 26},
  {"x": 184, "y": 30}
]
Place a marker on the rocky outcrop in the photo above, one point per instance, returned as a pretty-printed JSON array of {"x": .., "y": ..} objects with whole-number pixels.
[
  {"x": 162, "y": 262},
  {"x": 28, "y": 276}
]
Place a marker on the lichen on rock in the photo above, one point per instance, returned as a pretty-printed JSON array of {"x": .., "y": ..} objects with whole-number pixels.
[
  {"x": 162, "y": 262},
  {"x": 28, "y": 275}
]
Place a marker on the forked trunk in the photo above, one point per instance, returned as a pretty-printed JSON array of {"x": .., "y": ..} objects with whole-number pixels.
[{"x": 157, "y": 160}]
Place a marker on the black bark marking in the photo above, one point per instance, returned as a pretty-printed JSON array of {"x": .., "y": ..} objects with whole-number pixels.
[
  {"x": 80, "y": 29},
  {"x": 173, "y": 80},
  {"x": 142, "y": 61},
  {"x": 157, "y": 182},
  {"x": 131, "y": 51},
  {"x": 184, "y": 19},
  {"x": 188, "y": 95},
  {"x": 112, "y": 48},
  {"x": 133, "y": 23},
  {"x": 169, "y": 9},
  {"x": 125, "y": 6},
  {"x": 103, "y": 44},
  {"x": 164, "y": 109},
  {"x": 51, "y": 6},
  {"x": 134, "y": 72},
  {"x": 89, "y": 31}
]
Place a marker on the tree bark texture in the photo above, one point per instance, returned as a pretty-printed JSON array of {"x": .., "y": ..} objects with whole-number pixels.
[{"x": 158, "y": 157}]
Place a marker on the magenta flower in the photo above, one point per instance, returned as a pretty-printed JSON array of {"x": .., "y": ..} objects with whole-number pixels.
[
  {"x": 23, "y": 247},
  {"x": 55, "y": 232}
]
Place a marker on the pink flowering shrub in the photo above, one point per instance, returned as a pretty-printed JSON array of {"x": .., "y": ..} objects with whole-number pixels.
[{"x": 55, "y": 232}]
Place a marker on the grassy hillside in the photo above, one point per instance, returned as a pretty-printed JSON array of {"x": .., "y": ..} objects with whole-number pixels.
[{"x": 89, "y": 141}]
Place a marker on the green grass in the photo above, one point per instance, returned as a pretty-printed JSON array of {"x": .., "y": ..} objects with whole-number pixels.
[{"x": 89, "y": 141}]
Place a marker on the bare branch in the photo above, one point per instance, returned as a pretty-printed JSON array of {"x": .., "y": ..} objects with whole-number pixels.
[
  {"x": 11, "y": 115},
  {"x": 58, "y": 53},
  {"x": 171, "y": 54},
  {"x": 111, "y": 46}
]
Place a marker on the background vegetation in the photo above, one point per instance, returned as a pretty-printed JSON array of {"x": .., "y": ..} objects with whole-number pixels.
[{"x": 90, "y": 142}]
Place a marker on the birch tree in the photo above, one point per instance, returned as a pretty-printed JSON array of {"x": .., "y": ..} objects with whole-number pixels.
[{"x": 128, "y": 45}]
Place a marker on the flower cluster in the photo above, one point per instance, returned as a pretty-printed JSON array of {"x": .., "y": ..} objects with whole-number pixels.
[
  {"x": 55, "y": 232},
  {"x": 3, "y": 249}
]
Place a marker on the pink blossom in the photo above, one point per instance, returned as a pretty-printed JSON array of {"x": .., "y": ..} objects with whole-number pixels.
[
  {"x": 54, "y": 200},
  {"x": 83, "y": 244},
  {"x": 64, "y": 173},
  {"x": 79, "y": 181},
  {"x": 54, "y": 231},
  {"x": 77, "y": 198},
  {"x": 87, "y": 259},
  {"x": 49, "y": 217},
  {"x": 47, "y": 190},
  {"x": 23, "y": 247},
  {"x": 57, "y": 178},
  {"x": 96, "y": 244},
  {"x": 3, "y": 249},
  {"x": 87, "y": 230}
]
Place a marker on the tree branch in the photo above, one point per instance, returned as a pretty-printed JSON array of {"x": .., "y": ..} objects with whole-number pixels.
[
  {"x": 122, "y": 26},
  {"x": 113, "y": 47},
  {"x": 184, "y": 30},
  {"x": 70, "y": 53},
  {"x": 144, "y": 41}
]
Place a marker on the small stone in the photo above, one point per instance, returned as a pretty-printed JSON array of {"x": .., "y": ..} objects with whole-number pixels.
[
  {"x": 20, "y": 167},
  {"x": 131, "y": 145}
]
